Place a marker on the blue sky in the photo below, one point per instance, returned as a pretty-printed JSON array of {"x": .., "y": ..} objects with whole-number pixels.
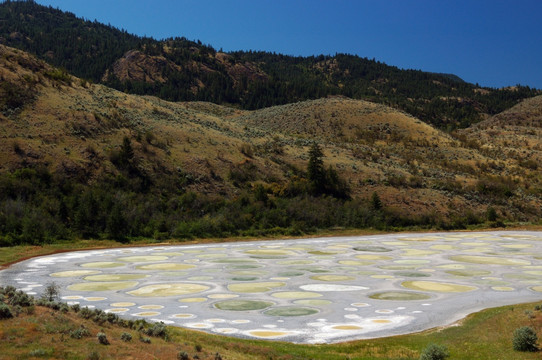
[{"x": 494, "y": 43}]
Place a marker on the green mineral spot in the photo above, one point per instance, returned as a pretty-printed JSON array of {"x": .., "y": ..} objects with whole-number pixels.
[
  {"x": 399, "y": 296},
  {"x": 372, "y": 248},
  {"x": 411, "y": 274},
  {"x": 243, "y": 305},
  {"x": 291, "y": 311}
]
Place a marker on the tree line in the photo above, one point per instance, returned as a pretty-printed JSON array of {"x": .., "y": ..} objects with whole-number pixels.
[{"x": 89, "y": 49}]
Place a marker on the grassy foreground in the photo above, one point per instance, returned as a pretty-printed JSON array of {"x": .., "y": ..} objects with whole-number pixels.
[{"x": 44, "y": 333}]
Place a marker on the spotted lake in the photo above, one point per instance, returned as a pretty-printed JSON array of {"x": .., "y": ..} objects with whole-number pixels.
[{"x": 305, "y": 291}]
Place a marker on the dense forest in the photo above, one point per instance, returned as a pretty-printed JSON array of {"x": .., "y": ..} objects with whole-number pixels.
[
  {"x": 37, "y": 207},
  {"x": 190, "y": 70}
]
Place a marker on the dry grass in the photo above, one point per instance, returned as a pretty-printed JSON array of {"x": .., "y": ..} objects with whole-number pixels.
[
  {"x": 74, "y": 128},
  {"x": 46, "y": 333}
]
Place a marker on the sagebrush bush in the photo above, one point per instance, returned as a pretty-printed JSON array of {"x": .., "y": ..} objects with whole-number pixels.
[
  {"x": 157, "y": 330},
  {"x": 182, "y": 355},
  {"x": 5, "y": 312},
  {"x": 434, "y": 352},
  {"x": 80, "y": 333},
  {"x": 126, "y": 337},
  {"x": 102, "y": 338},
  {"x": 525, "y": 339}
]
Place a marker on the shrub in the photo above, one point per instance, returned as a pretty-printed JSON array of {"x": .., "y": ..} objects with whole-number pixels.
[
  {"x": 85, "y": 313},
  {"x": 93, "y": 356},
  {"x": 126, "y": 337},
  {"x": 525, "y": 339},
  {"x": 39, "y": 353},
  {"x": 145, "y": 340},
  {"x": 157, "y": 330},
  {"x": 434, "y": 352},
  {"x": 5, "y": 312},
  {"x": 182, "y": 355},
  {"x": 102, "y": 338},
  {"x": 80, "y": 333},
  {"x": 20, "y": 298},
  {"x": 198, "y": 347}
]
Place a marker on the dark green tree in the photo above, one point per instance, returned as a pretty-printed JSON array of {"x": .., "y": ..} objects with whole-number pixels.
[
  {"x": 315, "y": 170},
  {"x": 376, "y": 203},
  {"x": 126, "y": 152},
  {"x": 117, "y": 226}
]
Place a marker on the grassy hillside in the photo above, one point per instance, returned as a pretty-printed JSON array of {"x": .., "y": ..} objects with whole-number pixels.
[
  {"x": 90, "y": 161},
  {"x": 177, "y": 69},
  {"x": 45, "y": 329}
]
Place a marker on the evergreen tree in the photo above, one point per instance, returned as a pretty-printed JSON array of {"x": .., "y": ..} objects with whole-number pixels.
[{"x": 315, "y": 170}]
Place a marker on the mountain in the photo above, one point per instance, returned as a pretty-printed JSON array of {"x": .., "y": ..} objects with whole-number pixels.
[
  {"x": 177, "y": 69},
  {"x": 512, "y": 136},
  {"x": 82, "y": 159}
]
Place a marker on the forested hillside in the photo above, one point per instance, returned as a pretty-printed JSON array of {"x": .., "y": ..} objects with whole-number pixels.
[
  {"x": 182, "y": 70},
  {"x": 81, "y": 160}
]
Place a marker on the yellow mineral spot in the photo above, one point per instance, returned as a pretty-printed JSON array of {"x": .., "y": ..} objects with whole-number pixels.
[
  {"x": 173, "y": 289},
  {"x": 347, "y": 327},
  {"x": 443, "y": 247},
  {"x": 257, "y": 287},
  {"x": 423, "y": 238},
  {"x": 147, "y": 313},
  {"x": 74, "y": 273},
  {"x": 490, "y": 260},
  {"x": 373, "y": 257},
  {"x": 332, "y": 277},
  {"x": 296, "y": 295},
  {"x": 418, "y": 252},
  {"x": 123, "y": 304},
  {"x": 166, "y": 266},
  {"x": 150, "y": 307},
  {"x": 102, "y": 264},
  {"x": 193, "y": 300},
  {"x": 517, "y": 246},
  {"x": 270, "y": 252},
  {"x": 437, "y": 286},
  {"x": 143, "y": 258},
  {"x": 183, "y": 316},
  {"x": 268, "y": 334},
  {"x": 115, "y": 277},
  {"x": 502, "y": 288},
  {"x": 102, "y": 286},
  {"x": 117, "y": 310}
]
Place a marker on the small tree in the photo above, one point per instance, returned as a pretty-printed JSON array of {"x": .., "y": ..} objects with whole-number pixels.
[
  {"x": 492, "y": 214},
  {"x": 376, "y": 203},
  {"x": 52, "y": 292},
  {"x": 525, "y": 339},
  {"x": 434, "y": 352}
]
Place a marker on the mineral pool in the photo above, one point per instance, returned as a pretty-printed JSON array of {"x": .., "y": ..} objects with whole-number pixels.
[{"x": 318, "y": 290}]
